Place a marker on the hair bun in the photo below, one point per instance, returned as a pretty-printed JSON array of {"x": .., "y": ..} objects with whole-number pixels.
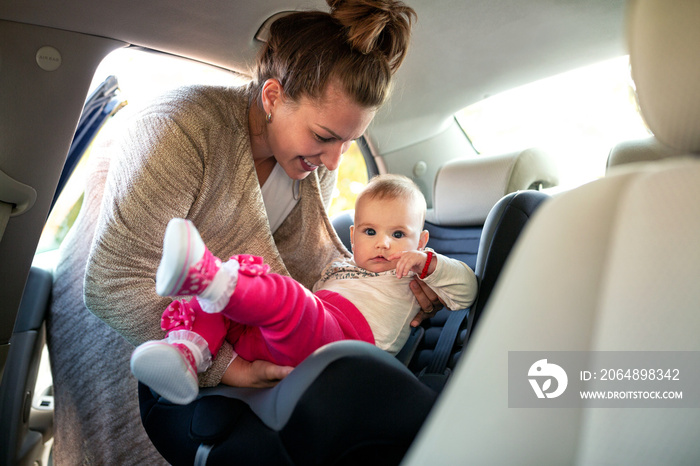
[{"x": 383, "y": 26}]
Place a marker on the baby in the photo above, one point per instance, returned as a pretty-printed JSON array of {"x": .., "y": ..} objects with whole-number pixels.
[{"x": 273, "y": 317}]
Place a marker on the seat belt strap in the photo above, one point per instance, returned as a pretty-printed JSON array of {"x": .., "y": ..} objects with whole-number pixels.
[
  {"x": 202, "y": 455},
  {"x": 446, "y": 341},
  {"x": 405, "y": 355}
]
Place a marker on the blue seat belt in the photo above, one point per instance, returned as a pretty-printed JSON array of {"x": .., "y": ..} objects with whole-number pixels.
[{"x": 435, "y": 375}]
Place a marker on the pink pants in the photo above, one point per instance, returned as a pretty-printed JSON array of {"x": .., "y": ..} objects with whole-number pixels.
[{"x": 275, "y": 318}]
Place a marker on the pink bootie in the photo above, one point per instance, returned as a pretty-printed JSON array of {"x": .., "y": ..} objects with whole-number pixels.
[
  {"x": 187, "y": 268},
  {"x": 170, "y": 366}
]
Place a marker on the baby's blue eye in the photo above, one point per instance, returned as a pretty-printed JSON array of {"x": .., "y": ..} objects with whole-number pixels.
[
  {"x": 398, "y": 234},
  {"x": 370, "y": 232}
]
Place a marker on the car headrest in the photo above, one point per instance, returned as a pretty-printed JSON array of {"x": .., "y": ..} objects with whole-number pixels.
[
  {"x": 639, "y": 150},
  {"x": 466, "y": 189},
  {"x": 664, "y": 44}
]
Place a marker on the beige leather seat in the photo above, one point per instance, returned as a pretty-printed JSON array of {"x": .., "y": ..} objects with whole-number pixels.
[
  {"x": 610, "y": 266},
  {"x": 465, "y": 190},
  {"x": 639, "y": 150}
]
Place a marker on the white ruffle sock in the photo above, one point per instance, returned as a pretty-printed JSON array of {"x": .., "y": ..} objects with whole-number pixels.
[
  {"x": 216, "y": 296},
  {"x": 170, "y": 366}
]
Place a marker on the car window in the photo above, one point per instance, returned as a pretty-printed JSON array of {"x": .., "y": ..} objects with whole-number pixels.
[
  {"x": 352, "y": 177},
  {"x": 577, "y": 116},
  {"x": 141, "y": 75}
]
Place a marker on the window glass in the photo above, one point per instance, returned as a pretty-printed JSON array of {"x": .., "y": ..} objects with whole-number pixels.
[
  {"x": 576, "y": 116},
  {"x": 141, "y": 75},
  {"x": 352, "y": 177}
]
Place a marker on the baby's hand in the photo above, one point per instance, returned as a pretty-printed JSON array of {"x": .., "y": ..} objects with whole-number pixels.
[{"x": 409, "y": 261}]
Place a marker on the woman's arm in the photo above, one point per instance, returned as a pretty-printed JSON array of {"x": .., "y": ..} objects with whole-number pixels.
[
  {"x": 152, "y": 178},
  {"x": 156, "y": 173}
]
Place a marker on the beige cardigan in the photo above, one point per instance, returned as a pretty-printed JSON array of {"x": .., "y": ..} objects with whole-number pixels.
[{"x": 187, "y": 155}]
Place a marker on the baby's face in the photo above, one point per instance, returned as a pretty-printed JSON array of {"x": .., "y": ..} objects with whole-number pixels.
[{"x": 382, "y": 228}]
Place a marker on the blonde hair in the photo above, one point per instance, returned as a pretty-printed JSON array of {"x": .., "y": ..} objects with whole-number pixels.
[
  {"x": 391, "y": 186},
  {"x": 359, "y": 43}
]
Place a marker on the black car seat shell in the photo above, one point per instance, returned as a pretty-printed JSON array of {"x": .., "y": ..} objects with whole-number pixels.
[
  {"x": 502, "y": 228},
  {"x": 348, "y": 403}
]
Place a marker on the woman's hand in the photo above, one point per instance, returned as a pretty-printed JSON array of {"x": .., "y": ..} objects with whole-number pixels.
[
  {"x": 256, "y": 374},
  {"x": 428, "y": 300}
]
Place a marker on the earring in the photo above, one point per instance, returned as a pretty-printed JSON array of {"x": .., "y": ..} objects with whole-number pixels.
[
  {"x": 295, "y": 189},
  {"x": 268, "y": 117}
]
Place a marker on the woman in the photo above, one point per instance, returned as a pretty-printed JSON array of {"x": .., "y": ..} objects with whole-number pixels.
[{"x": 252, "y": 168}]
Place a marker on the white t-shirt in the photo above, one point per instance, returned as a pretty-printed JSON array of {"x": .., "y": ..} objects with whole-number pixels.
[
  {"x": 278, "y": 196},
  {"x": 388, "y": 303}
]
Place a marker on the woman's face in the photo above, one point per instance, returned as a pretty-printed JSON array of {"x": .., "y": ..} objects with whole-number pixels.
[{"x": 307, "y": 134}]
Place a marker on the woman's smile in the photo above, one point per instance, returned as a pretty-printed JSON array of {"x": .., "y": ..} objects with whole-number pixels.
[{"x": 306, "y": 165}]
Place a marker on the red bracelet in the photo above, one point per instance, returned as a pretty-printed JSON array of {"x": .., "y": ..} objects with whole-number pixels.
[{"x": 424, "y": 273}]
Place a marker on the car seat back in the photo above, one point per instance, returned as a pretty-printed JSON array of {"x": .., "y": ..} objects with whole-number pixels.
[
  {"x": 647, "y": 149},
  {"x": 608, "y": 267}
]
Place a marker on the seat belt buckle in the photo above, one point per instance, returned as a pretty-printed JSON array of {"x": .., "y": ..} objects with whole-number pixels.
[{"x": 434, "y": 381}]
